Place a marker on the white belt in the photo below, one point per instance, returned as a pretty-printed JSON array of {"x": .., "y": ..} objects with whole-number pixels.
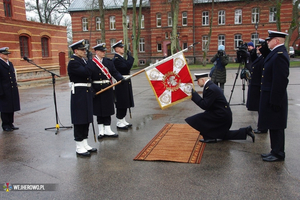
[
  {"x": 73, "y": 85},
  {"x": 101, "y": 82},
  {"x": 126, "y": 76}
]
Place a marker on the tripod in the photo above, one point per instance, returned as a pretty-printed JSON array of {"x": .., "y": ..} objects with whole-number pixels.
[
  {"x": 242, "y": 64},
  {"x": 57, "y": 127}
]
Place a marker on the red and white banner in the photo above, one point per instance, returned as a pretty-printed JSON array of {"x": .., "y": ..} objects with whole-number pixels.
[{"x": 170, "y": 80}]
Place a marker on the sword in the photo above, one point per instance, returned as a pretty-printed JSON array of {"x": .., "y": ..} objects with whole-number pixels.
[{"x": 94, "y": 130}]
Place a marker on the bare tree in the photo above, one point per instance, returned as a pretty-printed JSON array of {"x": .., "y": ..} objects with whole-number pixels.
[
  {"x": 125, "y": 30},
  {"x": 102, "y": 18},
  {"x": 174, "y": 39}
]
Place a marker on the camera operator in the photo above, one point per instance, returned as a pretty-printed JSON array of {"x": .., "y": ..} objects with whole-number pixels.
[
  {"x": 218, "y": 74},
  {"x": 251, "y": 55}
]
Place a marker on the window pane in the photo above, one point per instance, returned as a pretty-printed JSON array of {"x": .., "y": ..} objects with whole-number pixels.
[
  {"x": 24, "y": 46},
  {"x": 45, "y": 51}
]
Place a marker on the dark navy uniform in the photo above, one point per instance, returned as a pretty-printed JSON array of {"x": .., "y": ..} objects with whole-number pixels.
[
  {"x": 103, "y": 105},
  {"x": 124, "y": 94},
  {"x": 9, "y": 94},
  {"x": 81, "y": 96},
  {"x": 216, "y": 120},
  {"x": 274, "y": 102}
]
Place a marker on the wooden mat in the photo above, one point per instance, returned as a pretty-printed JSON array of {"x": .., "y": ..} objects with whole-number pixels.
[{"x": 176, "y": 143}]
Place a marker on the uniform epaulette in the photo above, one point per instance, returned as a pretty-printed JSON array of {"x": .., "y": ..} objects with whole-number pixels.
[
  {"x": 72, "y": 59},
  {"x": 280, "y": 52}
]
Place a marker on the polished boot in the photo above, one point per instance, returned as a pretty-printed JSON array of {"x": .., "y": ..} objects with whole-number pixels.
[
  {"x": 121, "y": 125},
  {"x": 249, "y": 132},
  {"x": 101, "y": 131},
  {"x": 80, "y": 150},
  {"x": 126, "y": 123},
  {"x": 272, "y": 158},
  {"x": 14, "y": 127},
  {"x": 108, "y": 132},
  {"x": 208, "y": 140},
  {"x": 88, "y": 147},
  {"x": 257, "y": 131}
]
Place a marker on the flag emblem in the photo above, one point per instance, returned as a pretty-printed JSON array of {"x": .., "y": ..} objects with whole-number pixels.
[{"x": 170, "y": 80}]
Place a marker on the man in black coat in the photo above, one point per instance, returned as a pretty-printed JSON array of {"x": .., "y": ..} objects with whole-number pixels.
[
  {"x": 81, "y": 97},
  {"x": 253, "y": 97},
  {"x": 124, "y": 94},
  {"x": 273, "y": 107},
  {"x": 9, "y": 93},
  {"x": 214, "y": 123},
  {"x": 103, "y": 70}
]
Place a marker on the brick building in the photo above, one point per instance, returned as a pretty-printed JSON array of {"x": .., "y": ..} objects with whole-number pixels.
[
  {"x": 45, "y": 44},
  {"x": 233, "y": 21}
]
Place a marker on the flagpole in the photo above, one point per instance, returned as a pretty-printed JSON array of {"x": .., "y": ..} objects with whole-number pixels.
[{"x": 147, "y": 68}]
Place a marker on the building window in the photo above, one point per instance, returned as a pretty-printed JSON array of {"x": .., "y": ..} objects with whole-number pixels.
[
  {"x": 127, "y": 21},
  {"x": 112, "y": 42},
  {"x": 7, "y": 8},
  {"x": 85, "y": 24},
  {"x": 254, "y": 38},
  {"x": 255, "y": 15},
  {"x": 112, "y": 23},
  {"x": 142, "y": 45},
  {"x": 159, "y": 47},
  {"x": 184, "y": 45},
  {"x": 238, "y": 16},
  {"x": 169, "y": 19},
  {"x": 221, "y": 17},
  {"x": 166, "y": 35},
  {"x": 221, "y": 40},
  {"x": 237, "y": 40},
  {"x": 143, "y": 22},
  {"x": 184, "y": 19},
  {"x": 98, "y": 41},
  {"x": 158, "y": 20},
  {"x": 24, "y": 46},
  {"x": 45, "y": 47},
  {"x": 204, "y": 42},
  {"x": 98, "y": 24},
  {"x": 205, "y": 18},
  {"x": 142, "y": 62},
  {"x": 272, "y": 16}
]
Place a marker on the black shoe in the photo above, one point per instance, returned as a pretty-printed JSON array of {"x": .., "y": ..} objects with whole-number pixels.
[
  {"x": 249, "y": 132},
  {"x": 114, "y": 135},
  {"x": 84, "y": 154},
  {"x": 264, "y": 155},
  {"x": 256, "y": 131},
  {"x": 14, "y": 127},
  {"x": 208, "y": 140},
  {"x": 92, "y": 150},
  {"x": 129, "y": 125},
  {"x": 101, "y": 137},
  {"x": 272, "y": 158},
  {"x": 8, "y": 129},
  {"x": 123, "y": 128}
]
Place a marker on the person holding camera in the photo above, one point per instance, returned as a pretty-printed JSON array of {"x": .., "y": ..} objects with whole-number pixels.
[{"x": 218, "y": 72}]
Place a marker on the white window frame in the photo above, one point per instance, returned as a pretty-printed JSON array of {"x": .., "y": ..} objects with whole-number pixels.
[
  {"x": 127, "y": 22},
  {"x": 237, "y": 39},
  {"x": 221, "y": 17},
  {"x": 221, "y": 40},
  {"x": 255, "y": 15},
  {"x": 98, "y": 23},
  {"x": 157, "y": 47},
  {"x": 204, "y": 41},
  {"x": 205, "y": 18},
  {"x": 98, "y": 41},
  {"x": 158, "y": 20},
  {"x": 112, "y": 42},
  {"x": 184, "y": 19},
  {"x": 272, "y": 15},
  {"x": 112, "y": 23},
  {"x": 143, "y": 22},
  {"x": 142, "y": 45},
  {"x": 254, "y": 38},
  {"x": 170, "y": 19},
  {"x": 238, "y": 16},
  {"x": 85, "y": 24}
]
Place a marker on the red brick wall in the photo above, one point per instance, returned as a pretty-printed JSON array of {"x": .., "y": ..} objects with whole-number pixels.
[{"x": 18, "y": 9}]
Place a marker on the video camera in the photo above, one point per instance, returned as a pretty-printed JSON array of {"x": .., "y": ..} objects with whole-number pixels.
[{"x": 242, "y": 52}]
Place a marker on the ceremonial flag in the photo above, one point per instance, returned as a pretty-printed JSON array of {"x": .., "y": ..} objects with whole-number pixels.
[{"x": 170, "y": 80}]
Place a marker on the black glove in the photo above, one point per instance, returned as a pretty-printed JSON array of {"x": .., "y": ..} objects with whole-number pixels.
[
  {"x": 129, "y": 53},
  {"x": 264, "y": 50},
  {"x": 253, "y": 55},
  {"x": 275, "y": 108}
]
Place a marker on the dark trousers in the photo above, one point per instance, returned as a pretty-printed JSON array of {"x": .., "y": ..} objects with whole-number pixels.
[
  {"x": 81, "y": 132},
  {"x": 104, "y": 120},
  {"x": 277, "y": 139},
  {"x": 121, "y": 113},
  {"x": 7, "y": 120}
]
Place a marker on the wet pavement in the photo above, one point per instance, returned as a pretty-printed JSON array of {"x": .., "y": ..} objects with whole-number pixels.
[{"x": 228, "y": 169}]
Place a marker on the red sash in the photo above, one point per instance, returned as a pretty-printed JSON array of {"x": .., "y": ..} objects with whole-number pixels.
[{"x": 103, "y": 69}]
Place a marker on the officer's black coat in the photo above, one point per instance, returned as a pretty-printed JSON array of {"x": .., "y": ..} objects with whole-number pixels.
[
  {"x": 103, "y": 103},
  {"x": 124, "y": 94},
  {"x": 216, "y": 120},
  {"x": 274, "y": 90},
  {"x": 9, "y": 93},
  {"x": 254, "y": 84},
  {"x": 82, "y": 99}
]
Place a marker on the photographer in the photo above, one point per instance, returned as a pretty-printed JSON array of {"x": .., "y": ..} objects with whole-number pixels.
[
  {"x": 218, "y": 73},
  {"x": 251, "y": 55}
]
